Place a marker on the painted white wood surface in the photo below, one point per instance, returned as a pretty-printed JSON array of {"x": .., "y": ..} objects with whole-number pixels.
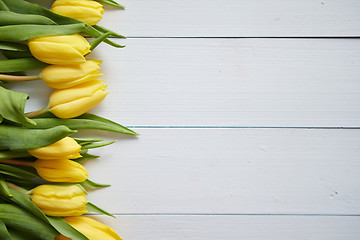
[
  {"x": 234, "y": 82},
  {"x": 231, "y": 171},
  {"x": 236, "y": 227},
  {"x": 228, "y": 82},
  {"x": 233, "y": 18},
  {"x": 236, "y": 18},
  {"x": 172, "y": 172},
  {"x": 262, "y": 171}
]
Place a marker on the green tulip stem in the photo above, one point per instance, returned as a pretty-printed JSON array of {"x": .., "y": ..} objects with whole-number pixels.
[
  {"x": 98, "y": 40},
  {"x": 17, "y": 162},
  {"x": 37, "y": 113},
  {"x": 17, "y": 188},
  {"x": 3, "y": 7},
  {"x": 18, "y": 78}
]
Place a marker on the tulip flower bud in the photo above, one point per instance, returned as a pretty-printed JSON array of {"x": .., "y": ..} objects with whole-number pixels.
[
  {"x": 74, "y": 101},
  {"x": 87, "y": 11},
  {"x": 66, "y": 148},
  {"x": 64, "y": 201},
  {"x": 60, "y": 49},
  {"x": 91, "y": 228},
  {"x": 65, "y": 76},
  {"x": 61, "y": 170}
]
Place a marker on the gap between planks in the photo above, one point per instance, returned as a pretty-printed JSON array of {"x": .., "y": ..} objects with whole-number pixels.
[
  {"x": 227, "y": 214},
  {"x": 242, "y": 127}
]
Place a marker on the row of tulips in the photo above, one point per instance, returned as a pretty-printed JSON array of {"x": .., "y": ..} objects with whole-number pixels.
[{"x": 42, "y": 180}]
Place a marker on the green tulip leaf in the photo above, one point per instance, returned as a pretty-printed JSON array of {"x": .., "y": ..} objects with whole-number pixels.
[
  {"x": 4, "y": 190},
  {"x": 93, "y": 208},
  {"x": 20, "y": 235},
  {"x": 11, "y": 154},
  {"x": 84, "y": 141},
  {"x": 105, "y": 30},
  {"x": 22, "y": 220},
  {"x": 11, "y": 55},
  {"x": 23, "y": 32},
  {"x": 97, "y": 145},
  {"x": 94, "y": 43},
  {"x": 21, "y": 64},
  {"x": 12, "y": 106},
  {"x": 92, "y": 32},
  {"x": 10, "y": 46},
  {"x": 23, "y": 201},
  {"x": 111, "y": 3},
  {"x": 12, "y": 18},
  {"x": 20, "y": 6},
  {"x": 24, "y": 7},
  {"x": 65, "y": 229},
  {"x": 58, "y": 223},
  {"x": 85, "y": 156},
  {"x": 16, "y": 172},
  {"x": 112, "y": 126},
  {"x": 23, "y": 183},
  {"x": 90, "y": 184},
  {"x": 4, "y": 234},
  {"x": 103, "y": 37},
  {"x": 84, "y": 121},
  {"x": 3, "y": 6},
  {"x": 20, "y": 139}
]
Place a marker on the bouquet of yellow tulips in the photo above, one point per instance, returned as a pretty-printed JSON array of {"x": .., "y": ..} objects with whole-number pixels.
[{"x": 42, "y": 180}]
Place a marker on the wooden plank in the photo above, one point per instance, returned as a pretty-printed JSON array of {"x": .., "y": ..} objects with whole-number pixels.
[
  {"x": 236, "y": 227},
  {"x": 228, "y": 82},
  {"x": 247, "y": 171},
  {"x": 233, "y": 82},
  {"x": 233, "y": 18}
]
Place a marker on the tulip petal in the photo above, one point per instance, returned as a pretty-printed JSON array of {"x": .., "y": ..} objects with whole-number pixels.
[
  {"x": 60, "y": 200},
  {"x": 60, "y": 49},
  {"x": 66, "y": 148},
  {"x": 82, "y": 3},
  {"x": 89, "y": 12},
  {"x": 78, "y": 107},
  {"x": 68, "y": 84},
  {"x": 61, "y": 73},
  {"x": 55, "y": 53},
  {"x": 61, "y": 170},
  {"x": 21, "y": 139},
  {"x": 65, "y": 76},
  {"x": 87, "y": 15},
  {"x": 66, "y": 229},
  {"x": 80, "y": 91},
  {"x": 92, "y": 228},
  {"x": 75, "y": 40}
]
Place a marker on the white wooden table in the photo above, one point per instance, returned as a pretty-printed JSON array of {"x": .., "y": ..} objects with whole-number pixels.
[{"x": 249, "y": 115}]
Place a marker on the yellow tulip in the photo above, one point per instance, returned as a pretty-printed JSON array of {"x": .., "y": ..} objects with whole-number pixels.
[
  {"x": 66, "y": 148},
  {"x": 61, "y": 170},
  {"x": 64, "y": 201},
  {"x": 74, "y": 101},
  {"x": 91, "y": 228},
  {"x": 87, "y": 11},
  {"x": 65, "y": 76},
  {"x": 60, "y": 49}
]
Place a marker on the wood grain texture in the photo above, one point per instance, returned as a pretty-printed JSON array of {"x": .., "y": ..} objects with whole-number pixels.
[
  {"x": 227, "y": 82},
  {"x": 233, "y": 82},
  {"x": 218, "y": 170},
  {"x": 236, "y": 227},
  {"x": 235, "y": 18},
  {"x": 246, "y": 171}
]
